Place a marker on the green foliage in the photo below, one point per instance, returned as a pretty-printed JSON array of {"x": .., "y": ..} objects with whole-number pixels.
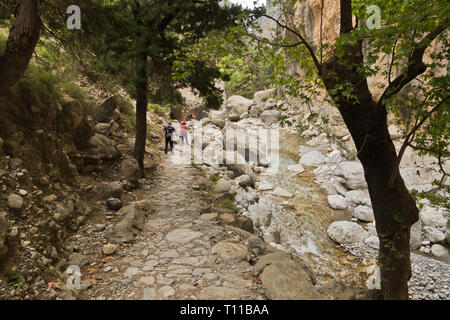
[
  {"x": 246, "y": 73},
  {"x": 39, "y": 88},
  {"x": 160, "y": 110},
  {"x": 214, "y": 178},
  {"x": 229, "y": 204},
  {"x": 15, "y": 278}
]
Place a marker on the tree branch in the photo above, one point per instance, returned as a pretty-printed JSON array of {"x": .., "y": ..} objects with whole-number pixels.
[
  {"x": 301, "y": 38},
  {"x": 346, "y": 16},
  {"x": 415, "y": 64},
  {"x": 410, "y": 138}
]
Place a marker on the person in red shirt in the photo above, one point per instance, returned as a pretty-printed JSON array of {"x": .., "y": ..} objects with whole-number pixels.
[{"x": 184, "y": 133}]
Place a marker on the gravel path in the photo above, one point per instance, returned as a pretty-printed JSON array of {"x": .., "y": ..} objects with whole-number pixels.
[{"x": 430, "y": 278}]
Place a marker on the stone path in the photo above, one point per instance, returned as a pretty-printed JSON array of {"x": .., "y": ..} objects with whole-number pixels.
[{"x": 177, "y": 255}]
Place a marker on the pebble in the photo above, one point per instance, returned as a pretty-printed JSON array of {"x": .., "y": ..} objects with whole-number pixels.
[{"x": 109, "y": 249}]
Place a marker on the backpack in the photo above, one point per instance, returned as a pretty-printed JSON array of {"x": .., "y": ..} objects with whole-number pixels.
[
  {"x": 169, "y": 131},
  {"x": 183, "y": 129}
]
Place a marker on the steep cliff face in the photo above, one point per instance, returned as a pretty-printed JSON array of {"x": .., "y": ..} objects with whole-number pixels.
[{"x": 318, "y": 21}]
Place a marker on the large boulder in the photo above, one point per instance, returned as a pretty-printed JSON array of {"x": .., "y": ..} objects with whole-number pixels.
[
  {"x": 103, "y": 146},
  {"x": 236, "y": 106},
  {"x": 347, "y": 232},
  {"x": 218, "y": 118},
  {"x": 432, "y": 217},
  {"x": 244, "y": 180},
  {"x": 355, "y": 196},
  {"x": 285, "y": 278},
  {"x": 231, "y": 250},
  {"x": 106, "y": 109},
  {"x": 262, "y": 96},
  {"x": 312, "y": 159},
  {"x": 433, "y": 234},
  {"x": 270, "y": 116},
  {"x": 238, "y": 165},
  {"x": 337, "y": 202},
  {"x": 364, "y": 213},
  {"x": 129, "y": 226},
  {"x": 223, "y": 185},
  {"x": 395, "y": 132},
  {"x": 439, "y": 250},
  {"x": 130, "y": 168},
  {"x": 353, "y": 173}
]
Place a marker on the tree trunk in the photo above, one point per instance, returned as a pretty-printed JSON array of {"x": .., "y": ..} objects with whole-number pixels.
[
  {"x": 141, "y": 95},
  {"x": 141, "y": 110},
  {"x": 22, "y": 40},
  {"x": 394, "y": 209}
]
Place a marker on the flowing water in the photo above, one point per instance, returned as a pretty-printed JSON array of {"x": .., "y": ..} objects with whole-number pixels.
[{"x": 304, "y": 228}]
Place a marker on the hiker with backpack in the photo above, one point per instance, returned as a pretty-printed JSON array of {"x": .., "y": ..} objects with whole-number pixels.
[
  {"x": 184, "y": 134},
  {"x": 169, "y": 131}
]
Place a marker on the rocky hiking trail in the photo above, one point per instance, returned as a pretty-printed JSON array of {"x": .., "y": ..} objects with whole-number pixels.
[
  {"x": 178, "y": 255},
  {"x": 184, "y": 251}
]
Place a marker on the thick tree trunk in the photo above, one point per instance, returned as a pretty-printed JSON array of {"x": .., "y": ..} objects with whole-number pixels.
[
  {"x": 22, "y": 40},
  {"x": 394, "y": 209},
  {"x": 141, "y": 109},
  {"x": 141, "y": 93}
]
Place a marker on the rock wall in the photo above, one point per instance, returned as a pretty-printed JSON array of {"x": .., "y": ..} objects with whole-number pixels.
[{"x": 318, "y": 21}]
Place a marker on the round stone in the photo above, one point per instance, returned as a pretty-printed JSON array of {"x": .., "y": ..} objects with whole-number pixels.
[
  {"x": 114, "y": 204},
  {"x": 15, "y": 201}
]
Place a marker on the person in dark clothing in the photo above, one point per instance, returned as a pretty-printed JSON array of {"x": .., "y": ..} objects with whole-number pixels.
[{"x": 168, "y": 133}]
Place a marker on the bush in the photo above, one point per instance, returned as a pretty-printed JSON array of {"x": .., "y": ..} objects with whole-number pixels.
[
  {"x": 229, "y": 204},
  {"x": 214, "y": 178},
  {"x": 39, "y": 88}
]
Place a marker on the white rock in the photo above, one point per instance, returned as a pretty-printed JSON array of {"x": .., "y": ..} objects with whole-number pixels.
[
  {"x": 373, "y": 242},
  {"x": 279, "y": 192},
  {"x": 432, "y": 217},
  {"x": 223, "y": 185},
  {"x": 395, "y": 132},
  {"x": 364, "y": 213},
  {"x": 218, "y": 118},
  {"x": 415, "y": 239},
  {"x": 312, "y": 159},
  {"x": 355, "y": 196},
  {"x": 263, "y": 95},
  {"x": 270, "y": 116},
  {"x": 243, "y": 180},
  {"x": 265, "y": 187},
  {"x": 439, "y": 250},
  {"x": 236, "y": 106},
  {"x": 340, "y": 189},
  {"x": 433, "y": 234},
  {"x": 337, "y": 202},
  {"x": 353, "y": 174},
  {"x": 296, "y": 168},
  {"x": 346, "y": 232}
]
